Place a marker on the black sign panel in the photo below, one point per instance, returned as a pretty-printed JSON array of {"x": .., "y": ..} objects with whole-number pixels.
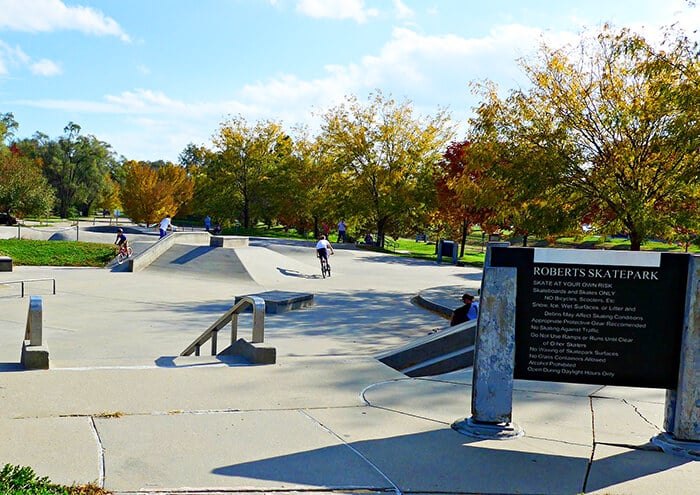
[{"x": 598, "y": 317}]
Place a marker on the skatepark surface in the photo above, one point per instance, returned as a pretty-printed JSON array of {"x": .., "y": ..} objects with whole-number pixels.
[{"x": 120, "y": 408}]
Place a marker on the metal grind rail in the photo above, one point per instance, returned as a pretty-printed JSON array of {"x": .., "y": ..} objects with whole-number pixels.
[
  {"x": 22, "y": 282},
  {"x": 257, "y": 304}
]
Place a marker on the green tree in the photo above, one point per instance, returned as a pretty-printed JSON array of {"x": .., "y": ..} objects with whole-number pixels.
[
  {"x": 609, "y": 128},
  {"x": 239, "y": 173},
  {"x": 76, "y": 166},
  {"x": 300, "y": 190},
  {"x": 384, "y": 158},
  {"x": 8, "y": 126},
  {"x": 23, "y": 188}
]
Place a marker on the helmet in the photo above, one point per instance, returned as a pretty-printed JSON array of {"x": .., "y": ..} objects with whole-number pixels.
[{"x": 120, "y": 230}]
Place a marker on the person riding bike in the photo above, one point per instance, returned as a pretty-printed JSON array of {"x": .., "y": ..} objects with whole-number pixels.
[
  {"x": 322, "y": 247},
  {"x": 122, "y": 242}
]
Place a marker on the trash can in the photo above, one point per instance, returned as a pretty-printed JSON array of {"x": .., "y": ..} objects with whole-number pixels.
[{"x": 447, "y": 249}]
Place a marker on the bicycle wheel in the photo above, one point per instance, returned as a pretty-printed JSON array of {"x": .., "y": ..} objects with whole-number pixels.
[
  {"x": 121, "y": 257},
  {"x": 323, "y": 268},
  {"x": 328, "y": 269},
  {"x": 129, "y": 252}
]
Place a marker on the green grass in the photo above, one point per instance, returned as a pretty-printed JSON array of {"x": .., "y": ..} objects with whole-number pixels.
[
  {"x": 22, "y": 480},
  {"x": 57, "y": 253},
  {"x": 261, "y": 230}
]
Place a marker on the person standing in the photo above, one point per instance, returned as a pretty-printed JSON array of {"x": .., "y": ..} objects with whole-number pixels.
[
  {"x": 164, "y": 226},
  {"x": 207, "y": 223},
  {"x": 342, "y": 235}
]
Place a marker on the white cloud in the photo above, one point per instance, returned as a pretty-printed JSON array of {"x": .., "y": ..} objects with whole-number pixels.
[
  {"x": 15, "y": 57},
  {"x": 45, "y": 67},
  {"x": 402, "y": 10},
  {"x": 51, "y": 15},
  {"x": 336, "y": 9},
  {"x": 11, "y": 56}
]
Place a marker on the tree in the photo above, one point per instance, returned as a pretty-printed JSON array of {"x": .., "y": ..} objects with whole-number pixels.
[
  {"x": 148, "y": 194},
  {"x": 609, "y": 129},
  {"x": 460, "y": 185},
  {"x": 8, "y": 126},
  {"x": 240, "y": 172},
  {"x": 384, "y": 158},
  {"x": 76, "y": 167},
  {"x": 23, "y": 188}
]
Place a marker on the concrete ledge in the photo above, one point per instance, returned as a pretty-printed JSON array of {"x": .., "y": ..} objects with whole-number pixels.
[
  {"x": 5, "y": 264},
  {"x": 277, "y": 301},
  {"x": 145, "y": 258},
  {"x": 255, "y": 353},
  {"x": 35, "y": 357},
  {"x": 228, "y": 241},
  {"x": 196, "y": 238}
]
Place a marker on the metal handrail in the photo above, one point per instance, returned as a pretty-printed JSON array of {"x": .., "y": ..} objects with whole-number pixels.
[
  {"x": 255, "y": 302},
  {"x": 30, "y": 280}
]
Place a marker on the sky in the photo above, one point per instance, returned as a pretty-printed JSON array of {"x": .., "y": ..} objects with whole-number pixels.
[{"x": 150, "y": 77}]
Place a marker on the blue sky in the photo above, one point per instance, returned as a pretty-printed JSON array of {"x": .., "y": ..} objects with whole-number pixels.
[{"x": 151, "y": 76}]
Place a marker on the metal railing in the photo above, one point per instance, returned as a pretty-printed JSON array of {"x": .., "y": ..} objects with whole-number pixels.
[
  {"x": 22, "y": 282},
  {"x": 254, "y": 302}
]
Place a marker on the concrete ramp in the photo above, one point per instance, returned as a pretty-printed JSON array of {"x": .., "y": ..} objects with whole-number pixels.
[
  {"x": 446, "y": 350},
  {"x": 201, "y": 261}
]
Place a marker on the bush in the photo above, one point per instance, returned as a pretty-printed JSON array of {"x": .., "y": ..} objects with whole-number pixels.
[{"x": 18, "y": 480}]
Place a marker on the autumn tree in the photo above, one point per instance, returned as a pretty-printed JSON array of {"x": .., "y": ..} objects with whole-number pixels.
[
  {"x": 609, "y": 129},
  {"x": 149, "y": 194},
  {"x": 384, "y": 157},
  {"x": 465, "y": 194}
]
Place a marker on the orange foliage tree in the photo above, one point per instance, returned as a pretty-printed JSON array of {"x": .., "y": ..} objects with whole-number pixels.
[{"x": 149, "y": 193}]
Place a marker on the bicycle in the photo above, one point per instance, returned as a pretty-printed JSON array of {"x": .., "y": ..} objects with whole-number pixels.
[
  {"x": 325, "y": 267},
  {"x": 124, "y": 254}
]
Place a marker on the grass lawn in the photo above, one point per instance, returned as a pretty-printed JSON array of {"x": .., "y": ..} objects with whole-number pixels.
[{"x": 57, "y": 253}]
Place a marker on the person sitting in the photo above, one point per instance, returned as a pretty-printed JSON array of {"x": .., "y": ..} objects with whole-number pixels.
[
  {"x": 469, "y": 311},
  {"x": 217, "y": 229},
  {"x": 369, "y": 240}
]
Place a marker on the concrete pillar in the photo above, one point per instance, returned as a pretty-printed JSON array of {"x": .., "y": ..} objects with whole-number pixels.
[
  {"x": 682, "y": 419},
  {"x": 34, "y": 330},
  {"x": 35, "y": 353},
  {"x": 494, "y": 359}
]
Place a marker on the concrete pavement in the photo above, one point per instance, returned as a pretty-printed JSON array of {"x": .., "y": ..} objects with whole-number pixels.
[{"x": 119, "y": 408}]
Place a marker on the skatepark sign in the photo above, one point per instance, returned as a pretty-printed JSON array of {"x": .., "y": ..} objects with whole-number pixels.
[
  {"x": 598, "y": 317},
  {"x": 587, "y": 316}
]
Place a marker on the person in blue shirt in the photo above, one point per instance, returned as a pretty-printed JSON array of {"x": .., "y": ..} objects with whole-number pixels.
[
  {"x": 121, "y": 241},
  {"x": 470, "y": 311}
]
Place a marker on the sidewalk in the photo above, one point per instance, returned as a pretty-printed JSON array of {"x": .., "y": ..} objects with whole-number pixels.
[{"x": 121, "y": 409}]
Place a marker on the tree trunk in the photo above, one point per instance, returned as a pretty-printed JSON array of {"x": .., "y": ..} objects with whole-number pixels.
[
  {"x": 635, "y": 242},
  {"x": 380, "y": 234},
  {"x": 246, "y": 215},
  {"x": 465, "y": 226},
  {"x": 525, "y": 240},
  {"x": 316, "y": 232}
]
